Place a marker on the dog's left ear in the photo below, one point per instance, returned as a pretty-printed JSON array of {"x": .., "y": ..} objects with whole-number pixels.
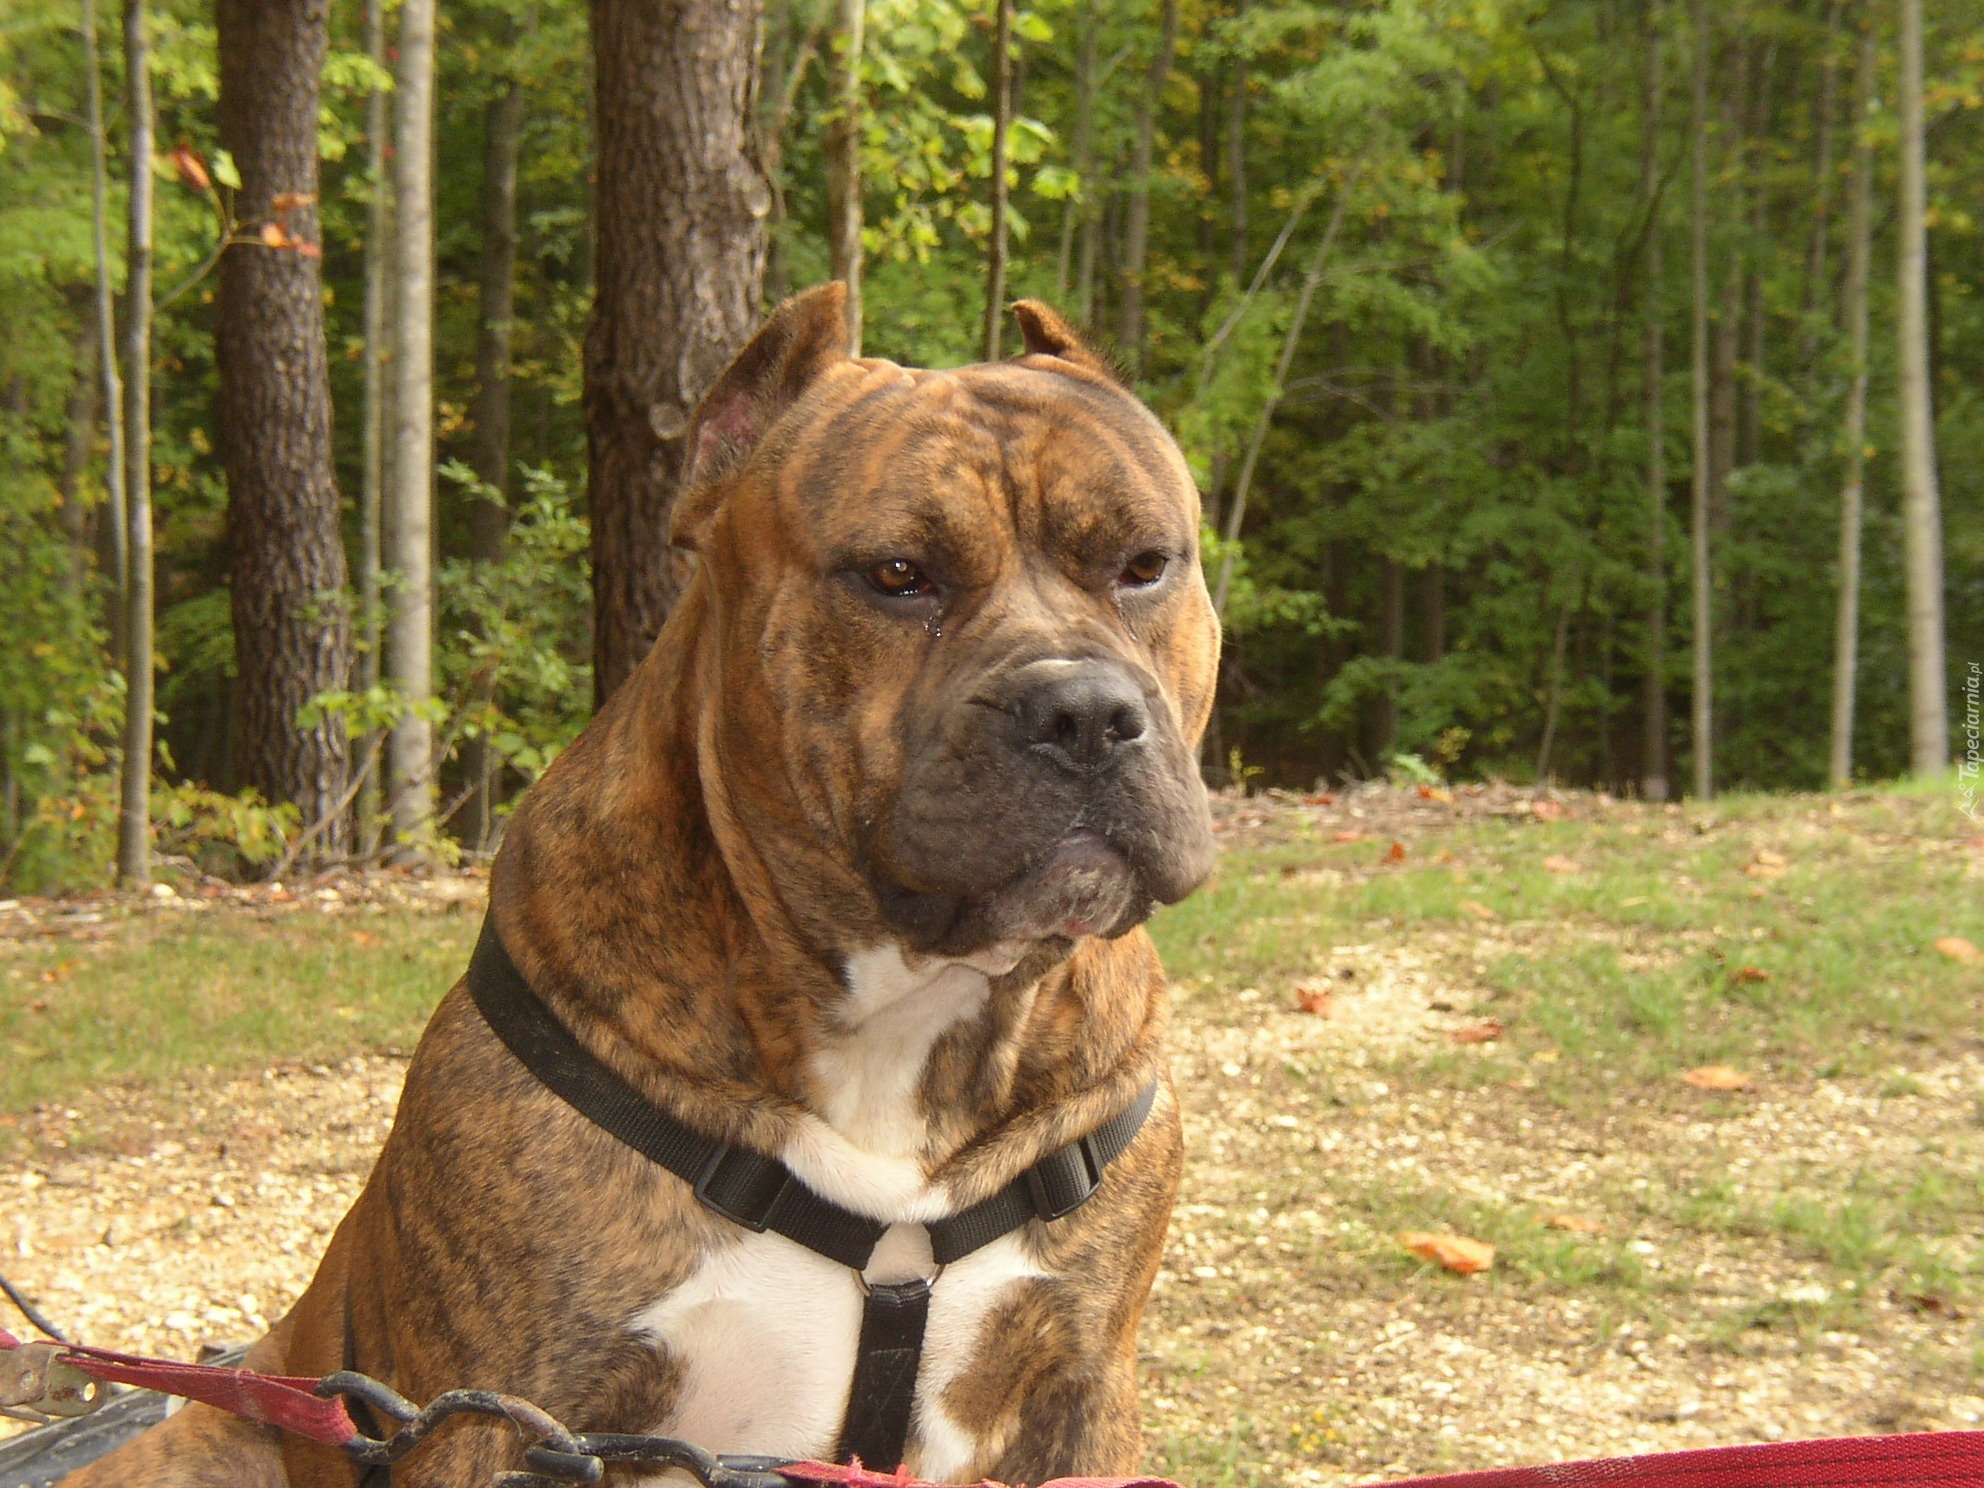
[
  {"x": 804, "y": 336},
  {"x": 1047, "y": 334}
]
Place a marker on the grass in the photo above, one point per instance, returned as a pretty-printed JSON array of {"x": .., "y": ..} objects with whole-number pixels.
[
  {"x": 1791, "y": 932},
  {"x": 159, "y": 997}
]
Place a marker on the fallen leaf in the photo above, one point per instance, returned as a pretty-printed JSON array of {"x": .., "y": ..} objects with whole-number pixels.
[
  {"x": 1577, "y": 1224},
  {"x": 1396, "y": 853},
  {"x": 1435, "y": 793},
  {"x": 1548, "y": 810},
  {"x": 39, "y": 1005},
  {"x": 1717, "y": 1077},
  {"x": 1479, "y": 910},
  {"x": 1741, "y": 974},
  {"x": 364, "y": 938},
  {"x": 1959, "y": 949},
  {"x": 1480, "y": 1033},
  {"x": 1547, "y": 1056},
  {"x": 1767, "y": 864},
  {"x": 1320, "y": 798},
  {"x": 1554, "y": 864},
  {"x": 1455, "y": 1252},
  {"x": 1350, "y": 836},
  {"x": 1313, "y": 997}
]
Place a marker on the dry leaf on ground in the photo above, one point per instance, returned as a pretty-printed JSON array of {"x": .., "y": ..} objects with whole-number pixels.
[
  {"x": 1395, "y": 853},
  {"x": 1479, "y": 910},
  {"x": 1555, "y": 864},
  {"x": 1959, "y": 949},
  {"x": 1480, "y": 1033},
  {"x": 1313, "y": 997},
  {"x": 1577, "y": 1224},
  {"x": 1548, "y": 810},
  {"x": 1350, "y": 836},
  {"x": 1740, "y": 974},
  {"x": 1717, "y": 1077},
  {"x": 1455, "y": 1252}
]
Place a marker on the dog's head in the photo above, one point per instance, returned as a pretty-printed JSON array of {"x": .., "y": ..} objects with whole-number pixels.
[{"x": 959, "y": 631}]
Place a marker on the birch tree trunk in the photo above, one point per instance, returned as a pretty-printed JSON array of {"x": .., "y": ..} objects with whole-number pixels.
[
  {"x": 292, "y": 637},
  {"x": 844, "y": 203},
  {"x": 1002, "y": 126},
  {"x": 1136, "y": 206},
  {"x": 1860, "y": 232},
  {"x": 409, "y": 520},
  {"x": 134, "y": 797},
  {"x": 680, "y": 261},
  {"x": 378, "y": 228},
  {"x": 1922, "y": 523},
  {"x": 1653, "y": 708},
  {"x": 1703, "y": 707}
]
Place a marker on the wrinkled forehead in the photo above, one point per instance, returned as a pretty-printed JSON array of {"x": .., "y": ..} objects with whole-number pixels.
[{"x": 928, "y": 460}]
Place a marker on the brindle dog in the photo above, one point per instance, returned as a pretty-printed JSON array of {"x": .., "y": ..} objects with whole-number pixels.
[{"x": 850, "y": 871}]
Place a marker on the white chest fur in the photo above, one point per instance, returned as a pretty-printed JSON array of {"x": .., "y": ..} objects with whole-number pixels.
[{"x": 764, "y": 1330}]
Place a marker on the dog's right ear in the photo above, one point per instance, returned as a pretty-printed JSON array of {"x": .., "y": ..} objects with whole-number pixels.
[{"x": 803, "y": 337}]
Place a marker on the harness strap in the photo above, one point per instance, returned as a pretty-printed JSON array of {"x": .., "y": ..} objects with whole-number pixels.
[
  {"x": 760, "y": 1193},
  {"x": 876, "y": 1426}
]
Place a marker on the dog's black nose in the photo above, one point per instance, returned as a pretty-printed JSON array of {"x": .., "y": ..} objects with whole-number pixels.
[{"x": 1080, "y": 713}]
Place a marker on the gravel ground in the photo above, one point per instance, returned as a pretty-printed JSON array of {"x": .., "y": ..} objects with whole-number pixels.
[{"x": 1290, "y": 1339}]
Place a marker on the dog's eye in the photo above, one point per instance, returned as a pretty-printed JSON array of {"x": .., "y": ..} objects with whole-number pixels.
[
  {"x": 1144, "y": 570},
  {"x": 900, "y": 579}
]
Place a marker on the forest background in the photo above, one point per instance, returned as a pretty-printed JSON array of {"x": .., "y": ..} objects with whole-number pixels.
[{"x": 1546, "y": 365}]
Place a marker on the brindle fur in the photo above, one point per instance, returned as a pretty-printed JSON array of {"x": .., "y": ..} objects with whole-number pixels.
[{"x": 683, "y": 888}]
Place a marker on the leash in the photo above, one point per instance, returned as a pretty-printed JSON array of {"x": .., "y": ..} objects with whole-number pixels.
[
  {"x": 760, "y": 1193},
  {"x": 59, "y": 1379}
]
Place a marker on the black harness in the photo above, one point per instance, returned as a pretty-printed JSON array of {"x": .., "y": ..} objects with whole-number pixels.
[{"x": 760, "y": 1193}]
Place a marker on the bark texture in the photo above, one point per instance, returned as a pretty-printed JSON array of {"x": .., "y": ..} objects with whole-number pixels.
[
  {"x": 679, "y": 260},
  {"x": 1859, "y": 252},
  {"x": 292, "y": 636},
  {"x": 844, "y": 167}
]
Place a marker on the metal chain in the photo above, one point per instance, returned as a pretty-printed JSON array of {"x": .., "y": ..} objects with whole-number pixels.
[{"x": 553, "y": 1455}]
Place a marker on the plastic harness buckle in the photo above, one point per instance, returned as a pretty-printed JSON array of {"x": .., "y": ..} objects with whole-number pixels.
[
  {"x": 1065, "y": 1179},
  {"x": 743, "y": 1186}
]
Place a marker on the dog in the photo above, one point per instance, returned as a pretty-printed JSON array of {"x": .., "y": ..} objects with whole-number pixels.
[{"x": 850, "y": 874}]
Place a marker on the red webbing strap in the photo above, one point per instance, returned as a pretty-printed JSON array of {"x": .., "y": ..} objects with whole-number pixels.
[
  {"x": 1930, "y": 1459},
  {"x": 858, "y": 1476},
  {"x": 1933, "y": 1459},
  {"x": 287, "y": 1402}
]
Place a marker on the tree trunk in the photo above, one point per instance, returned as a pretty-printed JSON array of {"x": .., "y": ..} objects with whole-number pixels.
[
  {"x": 292, "y": 637},
  {"x": 78, "y": 435},
  {"x": 680, "y": 256},
  {"x": 1391, "y": 645},
  {"x": 1136, "y": 213},
  {"x": 1922, "y": 523},
  {"x": 378, "y": 229},
  {"x": 409, "y": 505},
  {"x": 1076, "y": 209},
  {"x": 116, "y": 508},
  {"x": 1432, "y": 613},
  {"x": 1002, "y": 126},
  {"x": 1825, "y": 110},
  {"x": 844, "y": 167},
  {"x": 1704, "y": 609},
  {"x": 1653, "y": 704},
  {"x": 1236, "y": 157},
  {"x": 134, "y": 797},
  {"x": 1859, "y": 251},
  {"x": 489, "y": 436}
]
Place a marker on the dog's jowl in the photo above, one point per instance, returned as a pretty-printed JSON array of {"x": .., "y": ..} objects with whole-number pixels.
[{"x": 840, "y": 897}]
